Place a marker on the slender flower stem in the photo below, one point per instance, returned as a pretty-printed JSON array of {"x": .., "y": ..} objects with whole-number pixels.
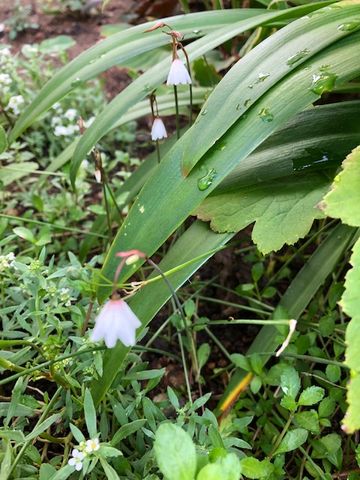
[
  {"x": 177, "y": 112},
  {"x": 181, "y": 312},
  {"x": 158, "y": 151},
  {"x": 108, "y": 217},
  {"x": 113, "y": 197},
  {"x": 190, "y": 85},
  {"x": 87, "y": 318}
]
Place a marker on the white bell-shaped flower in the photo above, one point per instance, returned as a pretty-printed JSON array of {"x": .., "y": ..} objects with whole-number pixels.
[
  {"x": 158, "y": 131},
  {"x": 178, "y": 74},
  {"x": 116, "y": 321}
]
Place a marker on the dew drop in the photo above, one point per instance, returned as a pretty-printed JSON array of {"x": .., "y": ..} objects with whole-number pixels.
[
  {"x": 238, "y": 106},
  {"x": 197, "y": 32},
  {"x": 297, "y": 57},
  {"x": 205, "y": 181},
  {"x": 247, "y": 102},
  {"x": 251, "y": 85},
  {"x": 323, "y": 82},
  {"x": 266, "y": 115},
  {"x": 203, "y": 112},
  {"x": 350, "y": 26},
  {"x": 262, "y": 77}
]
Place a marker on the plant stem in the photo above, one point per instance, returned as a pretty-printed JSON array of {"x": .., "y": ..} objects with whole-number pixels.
[
  {"x": 177, "y": 112},
  {"x": 108, "y": 217},
  {"x": 158, "y": 151}
]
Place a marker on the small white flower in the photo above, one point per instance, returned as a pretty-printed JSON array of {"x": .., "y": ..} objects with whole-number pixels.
[
  {"x": 92, "y": 445},
  {"x": 5, "y": 79},
  {"x": 116, "y": 321},
  {"x": 76, "y": 460},
  {"x": 178, "y": 74},
  {"x": 71, "y": 114},
  {"x": 60, "y": 130},
  {"x": 14, "y": 103},
  {"x": 158, "y": 130},
  {"x": 55, "y": 121}
]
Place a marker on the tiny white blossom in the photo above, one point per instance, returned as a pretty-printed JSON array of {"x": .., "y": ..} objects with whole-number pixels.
[
  {"x": 178, "y": 74},
  {"x": 14, "y": 103},
  {"x": 56, "y": 121},
  {"x": 92, "y": 445},
  {"x": 5, "y": 79},
  {"x": 158, "y": 130},
  {"x": 71, "y": 114},
  {"x": 116, "y": 321},
  {"x": 76, "y": 460},
  {"x": 60, "y": 130}
]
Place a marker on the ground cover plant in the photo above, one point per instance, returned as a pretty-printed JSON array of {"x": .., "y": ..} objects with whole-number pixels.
[{"x": 179, "y": 256}]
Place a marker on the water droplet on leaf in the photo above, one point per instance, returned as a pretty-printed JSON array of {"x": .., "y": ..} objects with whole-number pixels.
[
  {"x": 247, "y": 102},
  {"x": 76, "y": 82},
  {"x": 350, "y": 26},
  {"x": 266, "y": 115},
  {"x": 203, "y": 112},
  {"x": 297, "y": 57},
  {"x": 262, "y": 77},
  {"x": 323, "y": 82},
  {"x": 205, "y": 181}
]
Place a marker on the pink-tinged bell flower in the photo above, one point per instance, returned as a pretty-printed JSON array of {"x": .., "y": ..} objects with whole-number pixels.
[
  {"x": 116, "y": 321},
  {"x": 178, "y": 74},
  {"x": 158, "y": 131}
]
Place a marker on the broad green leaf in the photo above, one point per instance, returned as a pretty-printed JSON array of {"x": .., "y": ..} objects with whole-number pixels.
[
  {"x": 203, "y": 354},
  {"x": 292, "y": 440},
  {"x": 47, "y": 471},
  {"x": 90, "y": 414},
  {"x": 175, "y": 452},
  {"x": 308, "y": 420},
  {"x": 290, "y": 382},
  {"x": 350, "y": 303},
  {"x": 311, "y": 395},
  {"x": 3, "y": 140},
  {"x": 344, "y": 198},
  {"x": 283, "y": 210},
  {"x": 253, "y": 468}
]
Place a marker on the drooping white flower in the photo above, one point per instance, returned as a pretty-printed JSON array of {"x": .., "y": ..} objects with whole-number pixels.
[
  {"x": 92, "y": 445},
  {"x": 158, "y": 130},
  {"x": 14, "y": 103},
  {"x": 97, "y": 174},
  {"x": 116, "y": 321},
  {"x": 178, "y": 74},
  {"x": 76, "y": 460}
]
